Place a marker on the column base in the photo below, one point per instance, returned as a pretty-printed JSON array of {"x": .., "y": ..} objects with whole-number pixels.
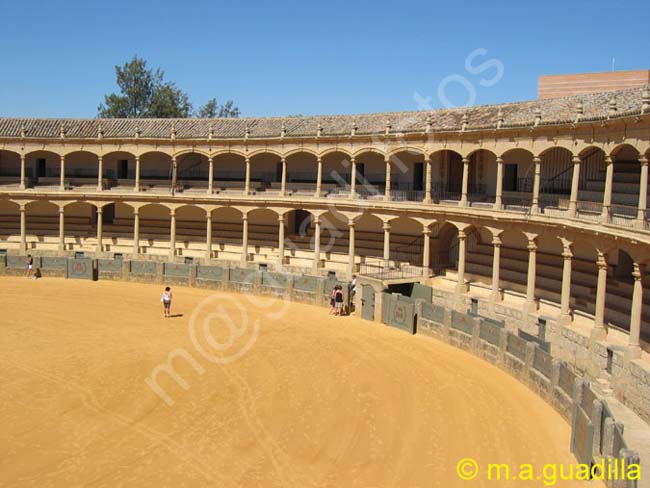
[
  {"x": 598, "y": 334},
  {"x": 427, "y": 201},
  {"x": 531, "y": 306},
  {"x": 632, "y": 353},
  {"x": 565, "y": 319},
  {"x": 461, "y": 288}
]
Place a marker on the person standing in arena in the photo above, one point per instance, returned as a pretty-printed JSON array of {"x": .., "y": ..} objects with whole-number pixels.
[
  {"x": 166, "y": 300},
  {"x": 338, "y": 298},
  {"x": 30, "y": 266}
]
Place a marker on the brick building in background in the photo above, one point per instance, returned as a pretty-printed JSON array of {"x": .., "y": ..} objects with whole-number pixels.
[{"x": 553, "y": 86}]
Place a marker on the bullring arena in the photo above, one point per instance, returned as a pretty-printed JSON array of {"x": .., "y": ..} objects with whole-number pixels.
[{"x": 510, "y": 241}]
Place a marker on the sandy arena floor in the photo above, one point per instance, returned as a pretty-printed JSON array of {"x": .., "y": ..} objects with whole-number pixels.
[{"x": 298, "y": 399}]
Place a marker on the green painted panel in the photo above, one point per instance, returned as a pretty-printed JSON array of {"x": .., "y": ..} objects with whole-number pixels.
[
  {"x": 543, "y": 362},
  {"x": 242, "y": 275},
  {"x": 422, "y": 291},
  {"x": 462, "y": 322},
  {"x": 214, "y": 273},
  {"x": 399, "y": 313},
  {"x": 80, "y": 269},
  {"x": 306, "y": 283},
  {"x": 489, "y": 332},
  {"x": 516, "y": 346},
  {"x": 274, "y": 280},
  {"x": 176, "y": 269},
  {"x": 109, "y": 265},
  {"x": 566, "y": 380},
  {"x": 432, "y": 312},
  {"x": 143, "y": 267},
  {"x": 16, "y": 261},
  {"x": 53, "y": 262}
]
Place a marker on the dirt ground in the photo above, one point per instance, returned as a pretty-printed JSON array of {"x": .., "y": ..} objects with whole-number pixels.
[{"x": 266, "y": 393}]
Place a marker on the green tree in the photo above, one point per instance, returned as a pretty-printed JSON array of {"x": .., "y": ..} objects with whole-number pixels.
[
  {"x": 212, "y": 109},
  {"x": 144, "y": 93}
]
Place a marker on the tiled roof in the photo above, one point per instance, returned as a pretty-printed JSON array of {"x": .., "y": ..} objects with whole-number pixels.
[{"x": 595, "y": 106}]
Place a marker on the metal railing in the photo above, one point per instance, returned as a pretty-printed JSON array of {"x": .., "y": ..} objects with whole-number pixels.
[{"x": 387, "y": 272}]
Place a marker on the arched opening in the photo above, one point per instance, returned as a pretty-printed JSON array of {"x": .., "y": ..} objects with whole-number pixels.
[
  {"x": 447, "y": 171},
  {"x": 154, "y": 229},
  {"x": 80, "y": 220},
  {"x": 9, "y": 168},
  {"x": 118, "y": 230},
  {"x": 407, "y": 175},
  {"x": 371, "y": 175},
  {"x": 230, "y": 172},
  {"x": 481, "y": 181},
  {"x": 81, "y": 168},
  {"x": 192, "y": 170},
  {"x": 266, "y": 172},
  {"x": 369, "y": 239},
  {"x": 334, "y": 240},
  {"x": 517, "y": 180},
  {"x": 42, "y": 229},
  {"x": 263, "y": 235},
  {"x": 625, "y": 185},
  {"x": 591, "y": 183},
  {"x": 302, "y": 171},
  {"x": 9, "y": 224},
  {"x": 444, "y": 245},
  {"x": 556, "y": 173},
  {"x": 227, "y": 233},
  {"x": 44, "y": 167},
  {"x": 118, "y": 169},
  {"x": 190, "y": 231},
  {"x": 155, "y": 171},
  {"x": 406, "y": 241},
  {"x": 299, "y": 238},
  {"x": 336, "y": 173}
]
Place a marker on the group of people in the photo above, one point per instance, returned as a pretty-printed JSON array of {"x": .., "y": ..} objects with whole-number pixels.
[{"x": 337, "y": 302}]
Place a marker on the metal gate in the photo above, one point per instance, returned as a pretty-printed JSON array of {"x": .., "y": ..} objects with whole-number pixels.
[{"x": 368, "y": 302}]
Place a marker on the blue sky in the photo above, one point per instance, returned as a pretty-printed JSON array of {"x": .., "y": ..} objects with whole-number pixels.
[{"x": 282, "y": 58}]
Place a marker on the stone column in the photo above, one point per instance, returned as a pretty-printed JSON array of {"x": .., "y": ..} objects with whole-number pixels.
[
  {"x": 427, "y": 180},
  {"x": 534, "y": 208},
  {"x": 634, "y": 350},
  {"x": 100, "y": 228},
  {"x": 23, "y": 229},
  {"x": 280, "y": 240},
  {"x": 460, "y": 284},
  {"x": 351, "y": 224},
  {"x": 62, "y": 175},
  {"x": 531, "y": 303},
  {"x": 174, "y": 174},
  {"x": 172, "y": 234},
  {"x": 100, "y": 173},
  {"x": 137, "y": 173},
  {"x": 643, "y": 192},
  {"x": 387, "y": 195},
  {"x": 61, "y": 229},
  {"x": 319, "y": 178},
  {"x": 496, "y": 264},
  {"x": 386, "y": 228},
  {"x": 565, "y": 311},
  {"x": 23, "y": 183},
  {"x": 210, "y": 175},
  {"x": 498, "y": 199},
  {"x": 599, "y": 332},
  {"x": 316, "y": 262},
  {"x": 426, "y": 251},
  {"x": 607, "y": 196},
  {"x": 247, "y": 179},
  {"x": 353, "y": 178},
  {"x": 463, "y": 191},
  {"x": 575, "y": 180},
  {"x": 283, "y": 183},
  {"x": 208, "y": 235},
  {"x": 244, "y": 240},
  {"x": 136, "y": 231}
]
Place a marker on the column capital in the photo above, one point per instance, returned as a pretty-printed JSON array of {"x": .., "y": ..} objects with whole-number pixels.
[
  {"x": 462, "y": 235},
  {"x": 496, "y": 241},
  {"x": 566, "y": 253},
  {"x": 351, "y": 223},
  {"x": 576, "y": 160},
  {"x": 281, "y": 218},
  {"x": 532, "y": 245},
  {"x": 172, "y": 212},
  {"x": 465, "y": 160},
  {"x": 636, "y": 272},
  {"x": 136, "y": 210},
  {"x": 386, "y": 226},
  {"x": 609, "y": 159},
  {"x": 643, "y": 161},
  {"x": 499, "y": 160},
  {"x": 61, "y": 210},
  {"x": 316, "y": 220},
  {"x": 244, "y": 217},
  {"x": 426, "y": 231},
  {"x": 210, "y": 159},
  {"x": 537, "y": 159},
  {"x": 100, "y": 210},
  {"x": 601, "y": 261}
]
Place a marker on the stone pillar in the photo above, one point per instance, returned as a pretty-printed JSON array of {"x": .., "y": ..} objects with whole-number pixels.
[
  {"x": 496, "y": 264},
  {"x": 247, "y": 179},
  {"x": 426, "y": 251},
  {"x": 319, "y": 178},
  {"x": 23, "y": 183},
  {"x": 351, "y": 224},
  {"x": 353, "y": 178},
  {"x": 283, "y": 182},
  {"x": 172, "y": 234},
  {"x": 531, "y": 302},
  {"x": 387, "y": 195},
  {"x": 498, "y": 199},
  {"x": 634, "y": 349},
  {"x": 210, "y": 175},
  {"x": 643, "y": 192},
  {"x": 316, "y": 263},
  {"x": 100, "y": 173},
  {"x": 386, "y": 228},
  {"x": 136, "y": 231},
  {"x": 208, "y": 235},
  {"x": 62, "y": 175},
  {"x": 565, "y": 311},
  {"x": 534, "y": 208},
  {"x": 174, "y": 174},
  {"x": 599, "y": 332},
  {"x": 575, "y": 181},
  {"x": 280, "y": 240},
  {"x": 607, "y": 196},
  {"x": 100, "y": 228},
  {"x": 427, "y": 180},
  {"x": 23, "y": 230},
  {"x": 460, "y": 284},
  {"x": 463, "y": 191},
  {"x": 244, "y": 240},
  {"x": 137, "y": 173},
  {"x": 61, "y": 229}
]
